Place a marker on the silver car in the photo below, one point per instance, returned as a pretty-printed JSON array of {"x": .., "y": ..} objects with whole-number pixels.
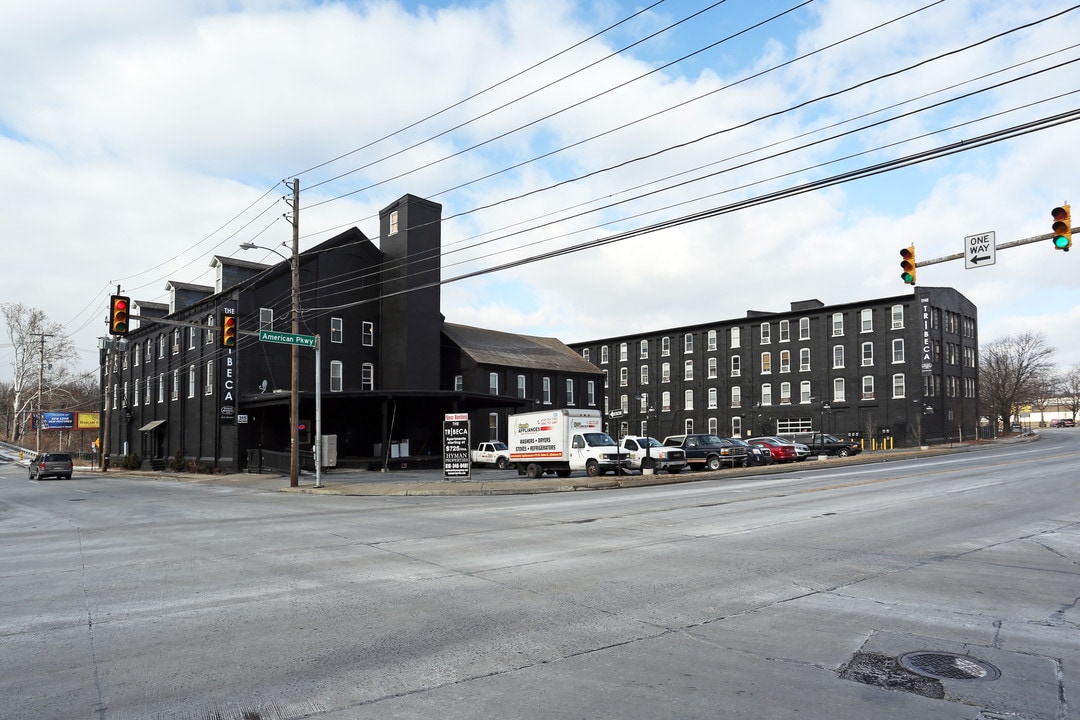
[{"x": 56, "y": 465}]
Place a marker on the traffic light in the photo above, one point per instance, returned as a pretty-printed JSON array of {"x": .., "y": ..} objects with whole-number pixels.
[
  {"x": 1062, "y": 227},
  {"x": 908, "y": 265},
  {"x": 119, "y": 309},
  {"x": 228, "y": 330}
]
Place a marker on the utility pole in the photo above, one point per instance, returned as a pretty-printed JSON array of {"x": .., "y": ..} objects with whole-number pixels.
[
  {"x": 40, "y": 375},
  {"x": 294, "y": 387}
]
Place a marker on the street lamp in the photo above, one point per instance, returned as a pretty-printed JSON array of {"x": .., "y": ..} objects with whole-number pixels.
[
  {"x": 294, "y": 375},
  {"x": 825, "y": 407}
]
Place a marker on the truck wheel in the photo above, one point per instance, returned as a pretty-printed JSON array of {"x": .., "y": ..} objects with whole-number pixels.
[
  {"x": 843, "y": 452},
  {"x": 502, "y": 463},
  {"x": 592, "y": 469},
  {"x": 533, "y": 471},
  {"x": 713, "y": 463}
]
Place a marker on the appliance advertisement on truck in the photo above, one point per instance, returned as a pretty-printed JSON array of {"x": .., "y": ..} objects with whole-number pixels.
[{"x": 562, "y": 441}]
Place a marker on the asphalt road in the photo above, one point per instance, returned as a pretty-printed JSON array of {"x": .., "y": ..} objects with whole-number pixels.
[{"x": 777, "y": 596}]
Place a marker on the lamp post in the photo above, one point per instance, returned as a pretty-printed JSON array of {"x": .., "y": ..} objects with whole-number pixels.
[
  {"x": 825, "y": 407},
  {"x": 294, "y": 374},
  {"x": 644, "y": 398}
]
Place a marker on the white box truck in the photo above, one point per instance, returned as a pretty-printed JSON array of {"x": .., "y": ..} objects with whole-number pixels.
[{"x": 561, "y": 441}]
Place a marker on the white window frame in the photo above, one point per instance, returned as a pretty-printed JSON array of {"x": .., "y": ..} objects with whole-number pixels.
[
  {"x": 838, "y": 356},
  {"x": 337, "y": 376},
  {"x": 896, "y": 317},
  {"x": 839, "y": 390},
  {"x": 805, "y": 396},
  {"x": 192, "y": 380},
  {"x": 367, "y": 333},
  {"x": 688, "y": 343},
  {"x": 866, "y": 354},
  {"x": 521, "y": 386},
  {"x": 367, "y": 376},
  {"x": 688, "y": 399},
  {"x": 804, "y": 328},
  {"x": 337, "y": 330},
  {"x": 266, "y": 318},
  {"x": 866, "y": 320},
  {"x": 867, "y": 392},
  {"x": 736, "y": 366},
  {"x": 899, "y": 387},
  {"x": 898, "y": 350},
  {"x": 766, "y": 334},
  {"x": 545, "y": 385},
  {"x": 736, "y": 396},
  {"x": 804, "y": 360},
  {"x": 570, "y": 391},
  {"x": 493, "y": 383},
  {"x": 208, "y": 387},
  {"x": 766, "y": 393}
]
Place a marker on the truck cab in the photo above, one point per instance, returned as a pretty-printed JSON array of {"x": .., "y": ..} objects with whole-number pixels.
[{"x": 647, "y": 452}]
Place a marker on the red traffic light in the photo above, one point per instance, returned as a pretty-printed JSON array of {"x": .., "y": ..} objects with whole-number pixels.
[
  {"x": 119, "y": 315},
  {"x": 228, "y": 330}
]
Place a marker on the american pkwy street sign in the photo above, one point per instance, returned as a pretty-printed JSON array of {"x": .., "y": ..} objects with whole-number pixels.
[{"x": 286, "y": 338}]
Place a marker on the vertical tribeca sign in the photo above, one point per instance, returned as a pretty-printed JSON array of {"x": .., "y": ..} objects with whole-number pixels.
[{"x": 457, "y": 461}]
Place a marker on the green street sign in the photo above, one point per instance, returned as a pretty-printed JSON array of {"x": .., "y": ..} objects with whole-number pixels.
[{"x": 286, "y": 338}]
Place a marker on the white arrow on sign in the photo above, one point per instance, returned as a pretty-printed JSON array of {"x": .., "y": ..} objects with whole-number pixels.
[{"x": 980, "y": 250}]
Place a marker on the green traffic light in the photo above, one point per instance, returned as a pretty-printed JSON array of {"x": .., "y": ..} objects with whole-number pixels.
[{"x": 1061, "y": 242}]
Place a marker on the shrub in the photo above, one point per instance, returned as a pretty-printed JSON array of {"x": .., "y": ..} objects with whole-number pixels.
[{"x": 131, "y": 462}]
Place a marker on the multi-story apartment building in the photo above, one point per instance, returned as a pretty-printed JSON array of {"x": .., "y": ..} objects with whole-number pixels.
[{"x": 903, "y": 367}]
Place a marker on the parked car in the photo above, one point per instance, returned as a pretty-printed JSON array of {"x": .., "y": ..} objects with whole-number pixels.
[
  {"x": 708, "y": 451},
  {"x": 825, "y": 444},
  {"x": 492, "y": 453},
  {"x": 649, "y": 452},
  {"x": 1066, "y": 422},
  {"x": 755, "y": 454},
  {"x": 56, "y": 465},
  {"x": 781, "y": 450}
]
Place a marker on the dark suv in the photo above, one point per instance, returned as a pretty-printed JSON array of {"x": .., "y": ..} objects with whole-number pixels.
[
  {"x": 708, "y": 451},
  {"x": 57, "y": 465}
]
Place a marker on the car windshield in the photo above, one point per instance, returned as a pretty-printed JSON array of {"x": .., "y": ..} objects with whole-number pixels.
[
  {"x": 598, "y": 439},
  {"x": 713, "y": 440},
  {"x": 651, "y": 442}
]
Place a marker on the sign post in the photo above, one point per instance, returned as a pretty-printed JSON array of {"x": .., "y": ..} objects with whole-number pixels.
[
  {"x": 979, "y": 250},
  {"x": 457, "y": 460}
]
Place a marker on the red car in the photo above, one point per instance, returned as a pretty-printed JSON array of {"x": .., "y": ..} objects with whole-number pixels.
[{"x": 781, "y": 451}]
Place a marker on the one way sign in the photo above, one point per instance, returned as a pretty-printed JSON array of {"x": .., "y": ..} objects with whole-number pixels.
[{"x": 979, "y": 250}]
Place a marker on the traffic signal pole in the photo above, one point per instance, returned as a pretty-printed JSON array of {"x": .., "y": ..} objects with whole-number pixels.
[{"x": 1011, "y": 244}]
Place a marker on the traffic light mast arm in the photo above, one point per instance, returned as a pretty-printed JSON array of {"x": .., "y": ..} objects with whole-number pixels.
[
  {"x": 181, "y": 323},
  {"x": 1012, "y": 243}
]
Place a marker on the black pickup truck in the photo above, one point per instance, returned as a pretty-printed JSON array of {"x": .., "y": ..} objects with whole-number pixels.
[{"x": 825, "y": 444}]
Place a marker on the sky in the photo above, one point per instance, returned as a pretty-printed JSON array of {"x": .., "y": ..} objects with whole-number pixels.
[{"x": 139, "y": 140}]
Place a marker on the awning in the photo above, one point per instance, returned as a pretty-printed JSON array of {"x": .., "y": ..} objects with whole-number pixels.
[{"x": 151, "y": 425}]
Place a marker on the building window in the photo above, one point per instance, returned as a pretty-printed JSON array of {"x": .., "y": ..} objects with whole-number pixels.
[
  {"x": 688, "y": 343},
  {"x": 688, "y": 400},
  {"x": 867, "y": 354},
  {"x": 711, "y": 340},
  {"x": 192, "y": 381},
  {"x": 493, "y": 383},
  {"x": 838, "y": 394},
  {"x": 209, "y": 335},
  {"x": 898, "y": 388},
  {"x": 459, "y": 383},
  {"x": 569, "y": 391},
  {"x": 804, "y": 360},
  {"x": 838, "y": 356},
  {"x": 136, "y": 354},
  {"x": 493, "y": 426},
  {"x": 603, "y": 355},
  {"x": 766, "y": 334},
  {"x": 643, "y": 403},
  {"x": 712, "y": 367},
  {"x": 736, "y": 366},
  {"x": 367, "y": 333},
  {"x": 546, "y": 396},
  {"x": 837, "y": 324},
  {"x": 367, "y": 376},
  {"x": 624, "y": 377},
  {"x": 135, "y": 391},
  {"x": 622, "y": 352},
  {"x": 336, "y": 330},
  {"x": 643, "y": 349},
  {"x": 736, "y": 426},
  {"x": 896, "y": 315},
  {"x": 161, "y": 347},
  {"x": 590, "y": 392},
  {"x": 734, "y": 337},
  {"x": 804, "y": 391},
  {"x": 624, "y": 405},
  {"x": 866, "y": 320},
  {"x": 665, "y": 401},
  {"x": 191, "y": 338},
  {"x": 785, "y": 330},
  {"x": 665, "y": 372},
  {"x": 804, "y": 328},
  {"x": 766, "y": 363},
  {"x": 688, "y": 426},
  {"x": 586, "y": 354},
  {"x": 868, "y": 387},
  {"x": 521, "y": 386},
  {"x": 785, "y": 393},
  {"x": 208, "y": 388},
  {"x": 711, "y": 399},
  {"x": 785, "y": 361},
  {"x": 176, "y": 341},
  {"x": 149, "y": 392},
  {"x": 160, "y": 388},
  {"x": 688, "y": 370},
  {"x": 336, "y": 371},
  {"x": 898, "y": 350},
  {"x": 266, "y": 318},
  {"x": 644, "y": 375},
  {"x": 736, "y": 396},
  {"x": 766, "y": 394},
  {"x": 665, "y": 346},
  {"x": 393, "y": 222}
]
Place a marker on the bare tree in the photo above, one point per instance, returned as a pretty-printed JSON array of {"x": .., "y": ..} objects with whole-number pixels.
[
  {"x": 1045, "y": 389},
  {"x": 1012, "y": 371},
  {"x": 40, "y": 350},
  {"x": 1070, "y": 390}
]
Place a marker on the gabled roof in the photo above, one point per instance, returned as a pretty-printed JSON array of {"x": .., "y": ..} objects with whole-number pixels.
[
  {"x": 178, "y": 285},
  {"x": 237, "y": 262},
  {"x": 494, "y": 348}
]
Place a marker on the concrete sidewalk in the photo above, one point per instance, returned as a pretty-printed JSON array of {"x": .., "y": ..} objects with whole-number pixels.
[{"x": 487, "y": 481}]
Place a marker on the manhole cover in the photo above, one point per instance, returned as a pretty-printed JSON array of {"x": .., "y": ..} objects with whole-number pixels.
[{"x": 948, "y": 666}]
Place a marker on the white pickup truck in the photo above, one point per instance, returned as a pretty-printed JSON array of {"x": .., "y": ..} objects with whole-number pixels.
[
  {"x": 649, "y": 453},
  {"x": 492, "y": 453}
]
